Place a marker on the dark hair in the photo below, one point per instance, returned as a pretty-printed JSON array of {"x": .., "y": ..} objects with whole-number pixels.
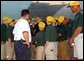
[
  {"x": 24, "y": 12},
  {"x": 13, "y": 20}
]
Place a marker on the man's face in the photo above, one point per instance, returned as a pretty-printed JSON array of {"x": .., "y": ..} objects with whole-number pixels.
[
  {"x": 75, "y": 8},
  {"x": 27, "y": 16}
]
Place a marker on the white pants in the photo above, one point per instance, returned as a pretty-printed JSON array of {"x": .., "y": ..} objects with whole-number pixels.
[
  {"x": 51, "y": 51},
  {"x": 78, "y": 47}
]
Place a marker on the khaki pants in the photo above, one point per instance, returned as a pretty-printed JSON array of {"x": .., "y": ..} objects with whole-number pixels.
[
  {"x": 7, "y": 52},
  {"x": 33, "y": 52},
  {"x": 40, "y": 53},
  {"x": 63, "y": 53},
  {"x": 10, "y": 51},
  {"x": 51, "y": 51},
  {"x": 13, "y": 52},
  {"x": 3, "y": 50}
]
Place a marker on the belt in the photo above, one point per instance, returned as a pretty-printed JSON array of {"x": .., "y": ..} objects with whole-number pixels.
[{"x": 21, "y": 41}]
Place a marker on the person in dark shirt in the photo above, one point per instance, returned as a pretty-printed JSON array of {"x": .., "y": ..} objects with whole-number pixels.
[
  {"x": 33, "y": 29},
  {"x": 50, "y": 37},
  {"x": 3, "y": 32},
  {"x": 3, "y": 40},
  {"x": 37, "y": 20},
  {"x": 32, "y": 26},
  {"x": 10, "y": 38},
  {"x": 62, "y": 32},
  {"x": 40, "y": 41},
  {"x": 5, "y": 21},
  {"x": 36, "y": 28}
]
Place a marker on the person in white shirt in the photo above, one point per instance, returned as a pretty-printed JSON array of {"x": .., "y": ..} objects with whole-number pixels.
[{"x": 22, "y": 37}]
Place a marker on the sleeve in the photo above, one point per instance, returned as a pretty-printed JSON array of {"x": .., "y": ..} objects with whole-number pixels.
[
  {"x": 9, "y": 32},
  {"x": 36, "y": 37},
  {"x": 47, "y": 34},
  {"x": 24, "y": 26},
  {"x": 69, "y": 30},
  {"x": 80, "y": 23}
]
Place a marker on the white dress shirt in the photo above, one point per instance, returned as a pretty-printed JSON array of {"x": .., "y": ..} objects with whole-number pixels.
[{"x": 21, "y": 26}]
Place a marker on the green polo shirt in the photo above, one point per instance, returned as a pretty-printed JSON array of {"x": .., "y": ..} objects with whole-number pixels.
[
  {"x": 51, "y": 33},
  {"x": 78, "y": 21},
  {"x": 9, "y": 33},
  {"x": 40, "y": 38},
  {"x": 3, "y": 32},
  {"x": 62, "y": 32},
  {"x": 69, "y": 28}
]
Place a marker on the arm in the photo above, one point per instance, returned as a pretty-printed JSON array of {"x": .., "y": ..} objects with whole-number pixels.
[
  {"x": 36, "y": 38},
  {"x": 26, "y": 37},
  {"x": 77, "y": 31},
  {"x": 79, "y": 28},
  {"x": 9, "y": 42}
]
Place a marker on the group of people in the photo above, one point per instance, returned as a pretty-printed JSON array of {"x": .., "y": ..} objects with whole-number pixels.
[
  {"x": 7, "y": 42},
  {"x": 43, "y": 40}
]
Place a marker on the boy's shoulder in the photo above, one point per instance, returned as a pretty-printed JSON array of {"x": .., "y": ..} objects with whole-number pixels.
[
  {"x": 3, "y": 25},
  {"x": 40, "y": 32},
  {"x": 49, "y": 27}
]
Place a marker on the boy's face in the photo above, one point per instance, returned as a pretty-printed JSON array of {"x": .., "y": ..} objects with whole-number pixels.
[
  {"x": 4, "y": 22},
  {"x": 65, "y": 21},
  {"x": 57, "y": 23},
  {"x": 33, "y": 22},
  {"x": 54, "y": 24},
  {"x": 12, "y": 23},
  {"x": 40, "y": 29},
  {"x": 38, "y": 19}
]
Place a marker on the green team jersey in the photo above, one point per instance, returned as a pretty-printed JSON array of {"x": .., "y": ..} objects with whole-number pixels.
[
  {"x": 62, "y": 32},
  {"x": 9, "y": 32},
  {"x": 51, "y": 33},
  {"x": 78, "y": 21},
  {"x": 40, "y": 38},
  {"x": 3, "y": 32}
]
